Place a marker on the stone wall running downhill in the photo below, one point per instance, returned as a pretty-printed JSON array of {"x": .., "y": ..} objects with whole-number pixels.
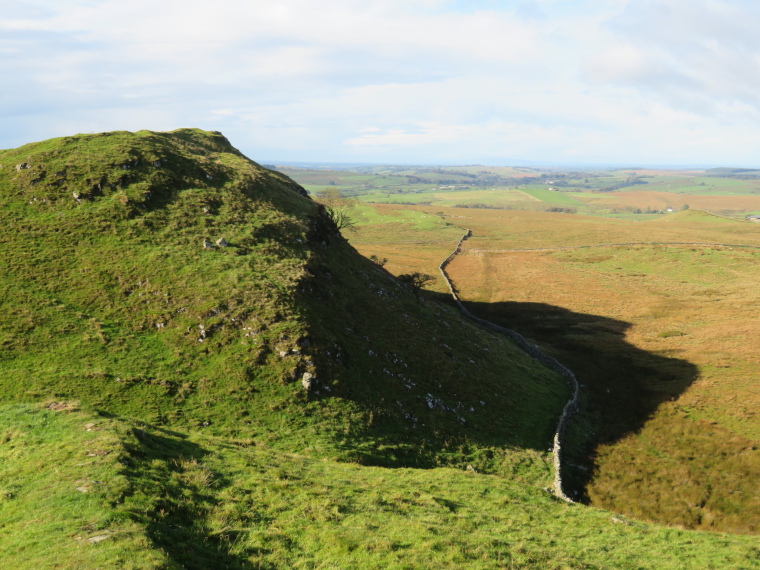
[{"x": 535, "y": 352}]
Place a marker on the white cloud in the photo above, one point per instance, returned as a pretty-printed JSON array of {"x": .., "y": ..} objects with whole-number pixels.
[
  {"x": 622, "y": 63},
  {"x": 699, "y": 54},
  {"x": 426, "y": 80}
]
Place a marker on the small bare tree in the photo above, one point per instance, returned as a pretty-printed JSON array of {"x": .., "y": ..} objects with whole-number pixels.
[
  {"x": 416, "y": 281},
  {"x": 378, "y": 261}
]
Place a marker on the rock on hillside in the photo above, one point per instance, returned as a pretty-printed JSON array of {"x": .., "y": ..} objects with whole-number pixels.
[{"x": 166, "y": 277}]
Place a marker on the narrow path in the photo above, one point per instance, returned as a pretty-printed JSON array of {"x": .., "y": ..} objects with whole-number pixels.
[{"x": 570, "y": 407}]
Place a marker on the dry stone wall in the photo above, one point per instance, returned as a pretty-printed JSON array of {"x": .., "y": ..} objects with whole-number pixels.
[{"x": 570, "y": 407}]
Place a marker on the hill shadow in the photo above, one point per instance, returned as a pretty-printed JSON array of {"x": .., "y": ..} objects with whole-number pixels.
[
  {"x": 621, "y": 385},
  {"x": 175, "y": 523},
  {"x": 400, "y": 391}
]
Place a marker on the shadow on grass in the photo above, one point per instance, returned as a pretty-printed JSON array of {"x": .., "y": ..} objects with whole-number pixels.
[
  {"x": 622, "y": 385},
  {"x": 167, "y": 470},
  {"x": 406, "y": 386}
]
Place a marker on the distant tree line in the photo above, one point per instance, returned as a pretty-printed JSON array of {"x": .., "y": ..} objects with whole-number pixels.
[
  {"x": 481, "y": 206},
  {"x": 736, "y": 173},
  {"x": 630, "y": 181}
]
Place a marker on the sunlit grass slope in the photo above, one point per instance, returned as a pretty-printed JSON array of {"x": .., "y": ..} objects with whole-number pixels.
[
  {"x": 123, "y": 494},
  {"x": 259, "y": 401},
  {"x": 110, "y": 296},
  {"x": 166, "y": 278}
]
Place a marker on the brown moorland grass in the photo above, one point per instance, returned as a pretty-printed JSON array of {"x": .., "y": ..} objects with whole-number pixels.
[
  {"x": 663, "y": 336},
  {"x": 406, "y": 246},
  {"x": 409, "y": 258},
  {"x": 509, "y": 230},
  {"x": 661, "y": 200}
]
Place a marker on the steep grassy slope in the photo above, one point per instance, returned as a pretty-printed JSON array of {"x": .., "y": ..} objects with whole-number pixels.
[
  {"x": 110, "y": 297},
  {"x": 124, "y": 494},
  {"x": 108, "y": 292}
]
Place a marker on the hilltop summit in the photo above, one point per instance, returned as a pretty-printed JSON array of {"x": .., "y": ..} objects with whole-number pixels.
[{"x": 167, "y": 277}]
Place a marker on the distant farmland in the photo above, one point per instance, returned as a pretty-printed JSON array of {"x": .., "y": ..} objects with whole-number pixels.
[{"x": 626, "y": 193}]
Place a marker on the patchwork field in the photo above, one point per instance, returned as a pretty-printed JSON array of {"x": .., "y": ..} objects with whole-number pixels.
[
  {"x": 613, "y": 193},
  {"x": 663, "y": 200},
  {"x": 659, "y": 322}
]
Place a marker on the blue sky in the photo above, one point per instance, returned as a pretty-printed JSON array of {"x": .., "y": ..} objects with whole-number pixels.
[{"x": 649, "y": 82}]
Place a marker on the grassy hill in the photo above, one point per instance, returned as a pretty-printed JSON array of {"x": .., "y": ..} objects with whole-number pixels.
[
  {"x": 198, "y": 371},
  {"x": 111, "y": 298}
]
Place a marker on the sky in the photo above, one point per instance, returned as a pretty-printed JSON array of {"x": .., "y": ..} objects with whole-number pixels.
[{"x": 498, "y": 82}]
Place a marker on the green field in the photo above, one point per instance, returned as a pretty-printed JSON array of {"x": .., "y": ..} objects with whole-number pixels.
[
  {"x": 128, "y": 495},
  {"x": 551, "y": 196},
  {"x": 592, "y": 192},
  {"x": 701, "y": 185}
]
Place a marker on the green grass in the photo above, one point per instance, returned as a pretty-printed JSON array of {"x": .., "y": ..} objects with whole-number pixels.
[
  {"x": 205, "y": 449},
  {"x": 496, "y": 198},
  {"x": 366, "y": 215},
  {"x": 113, "y": 301},
  {"x": 405, "y": 198},
  {"x": 62, "y": 492},
  {"x": 167, "y": 499},
  {"x": 552, "y": 197}
]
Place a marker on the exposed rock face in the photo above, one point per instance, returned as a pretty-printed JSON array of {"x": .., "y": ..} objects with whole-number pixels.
[{"x": 22, "y": 166}]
